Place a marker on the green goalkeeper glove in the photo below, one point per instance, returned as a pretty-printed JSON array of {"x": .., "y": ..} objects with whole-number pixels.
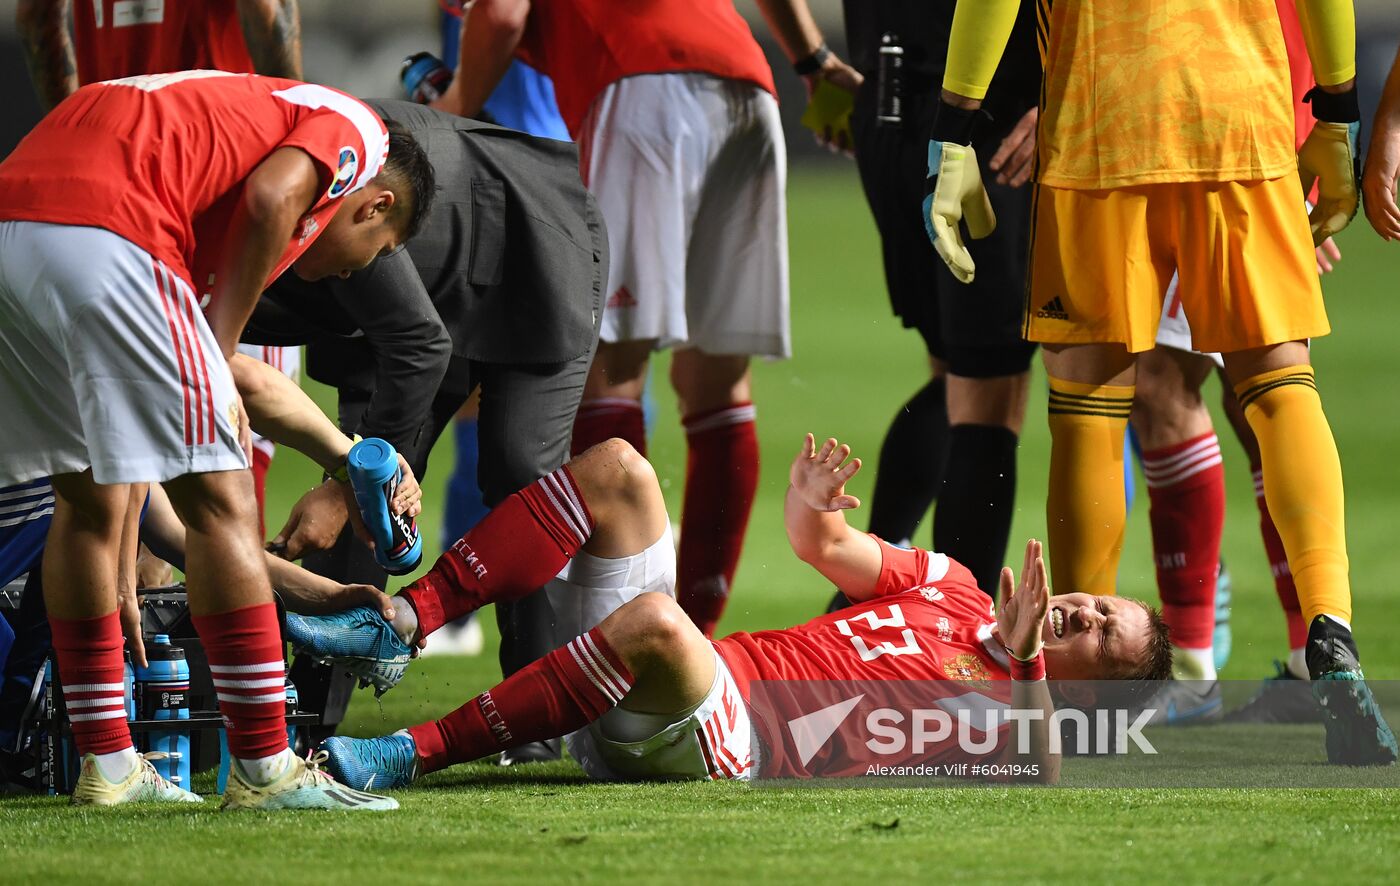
[
  {"x": 953, "y": 190},
  {"x": 1329, "y": 158}
]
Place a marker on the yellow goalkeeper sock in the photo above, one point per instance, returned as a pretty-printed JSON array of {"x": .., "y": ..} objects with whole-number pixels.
[
  {"x": 1302, "y": 485},
  {"x": 1085, "y": 508}
]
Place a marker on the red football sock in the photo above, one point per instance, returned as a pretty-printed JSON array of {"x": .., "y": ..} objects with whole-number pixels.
[
  {"x": 1186, "y": 488},
  {"x": 245, "y": 658},
  {"x": 721, "y": 477},
  {"x": 1278, "y": 565},
  {"x": 607, "y": 417},
  {"x": 562, "y": 692},
  {"x": 514, "y": 550},
  {"x": 89, "y": 653}
]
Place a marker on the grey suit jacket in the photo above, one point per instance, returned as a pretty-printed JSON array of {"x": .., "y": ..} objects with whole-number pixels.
[{"x": 508, "y": 268}]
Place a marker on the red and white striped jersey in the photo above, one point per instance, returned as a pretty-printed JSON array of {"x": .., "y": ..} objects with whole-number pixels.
[{"x": 159, "y": 158}]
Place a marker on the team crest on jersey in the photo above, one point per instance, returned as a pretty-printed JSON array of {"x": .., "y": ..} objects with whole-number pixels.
[
  {"x": 345, "y": 168},
  {"x": 931, "y": 593},
  {"x": 966, "y": 667}
]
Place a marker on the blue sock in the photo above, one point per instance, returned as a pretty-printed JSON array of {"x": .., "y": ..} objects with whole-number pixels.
[{"x": 464, "y": 508}]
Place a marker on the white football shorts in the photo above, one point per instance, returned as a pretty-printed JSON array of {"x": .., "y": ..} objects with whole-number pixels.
[
  {"x": 106, "y": 361},
  {"x": 1173, "y": 331},
  {"x": 690, "y": 171},
  {"x": 711, "y": 740}
]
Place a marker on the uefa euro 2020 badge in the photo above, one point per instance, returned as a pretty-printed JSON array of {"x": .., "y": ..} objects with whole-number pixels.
[{"x": 345, "y": 168}]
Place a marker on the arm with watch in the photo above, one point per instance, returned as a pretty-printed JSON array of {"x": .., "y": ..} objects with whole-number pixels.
[
  {"x": 281, "y": 411},
  {"x": 831, "y": 83}
]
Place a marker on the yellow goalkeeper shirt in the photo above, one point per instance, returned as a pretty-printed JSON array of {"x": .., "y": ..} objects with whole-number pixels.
[{"x": 1148, "y": 91}]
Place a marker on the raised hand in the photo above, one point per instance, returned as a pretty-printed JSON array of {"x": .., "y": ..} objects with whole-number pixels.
[
  {"x": 1023, "y": 606},
  {"x": 819, "y": 477}
]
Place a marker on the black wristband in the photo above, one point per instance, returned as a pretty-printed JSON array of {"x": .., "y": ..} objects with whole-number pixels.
[
  {"x": 1334, "y": 107},
  {"x": 953, "y": 124},
  {"x": 812, "y": 63}
]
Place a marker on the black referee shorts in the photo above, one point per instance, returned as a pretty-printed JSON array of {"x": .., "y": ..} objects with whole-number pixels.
[{"x": 974, "y": 327}]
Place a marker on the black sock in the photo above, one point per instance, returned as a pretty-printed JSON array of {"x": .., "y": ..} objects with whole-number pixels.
[
  {"x": 976, "y": 502},
  {"x": 911, "y": 464},
  {"x": 910, "y": 468}
]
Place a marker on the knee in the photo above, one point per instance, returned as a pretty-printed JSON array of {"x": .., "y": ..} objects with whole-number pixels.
[
  {"x": 615, "y": 469},
  {"x": 656, "y": 628},
  {"x": 209, "y": 503}
]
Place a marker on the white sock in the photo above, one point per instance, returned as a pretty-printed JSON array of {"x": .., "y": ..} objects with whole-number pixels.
[
  {"x": 118, "y": 765},
  {"x": 263, "y": 770},
  {"x": 1193, "y": 664},
  {"x": 1297, "y": 663},
  {"x": 405, "y": 622}
]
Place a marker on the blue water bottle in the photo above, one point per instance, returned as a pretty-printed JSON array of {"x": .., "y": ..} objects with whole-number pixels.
[
  {"x": 424, "y": 77},
  {"x": 163, "y": 692},
  {"x": 373, "y": 466}
]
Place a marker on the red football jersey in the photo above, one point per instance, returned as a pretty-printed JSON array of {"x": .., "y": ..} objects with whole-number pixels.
[
  {"x": 586, "y": 45},
  {"x": 119, "y": 38},
  {"x": 928, "y": 621},
  {"x": 1299, "y": 69},
  {"x": 928, "y": 631},
  {"x": 159, "y": 158}
]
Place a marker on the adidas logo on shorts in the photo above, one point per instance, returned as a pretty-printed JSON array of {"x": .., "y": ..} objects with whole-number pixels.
[{"x": 1053, "y": 310}]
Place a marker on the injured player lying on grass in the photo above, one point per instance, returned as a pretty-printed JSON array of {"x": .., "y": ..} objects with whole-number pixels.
[{"x": 639, "y": 690}]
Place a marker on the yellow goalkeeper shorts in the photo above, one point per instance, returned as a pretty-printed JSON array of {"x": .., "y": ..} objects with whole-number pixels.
[{"x": 1101, "y": 261}]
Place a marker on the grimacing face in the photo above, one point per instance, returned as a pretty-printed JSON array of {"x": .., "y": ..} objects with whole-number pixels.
[
  {"x": 361, "y": 231},
  {"x": 1093, "y": 638}
]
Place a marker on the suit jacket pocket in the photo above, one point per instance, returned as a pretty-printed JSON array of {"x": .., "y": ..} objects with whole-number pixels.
[{"x": 488, "y": 232}]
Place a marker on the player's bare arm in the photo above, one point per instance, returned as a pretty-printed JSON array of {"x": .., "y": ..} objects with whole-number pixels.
[
  {"x": 281, "y": 411},
  {"x": 1020, "y": 624},
  {"x": 801, "y": 39},
  {"x": 301, "y": 591},
  {"x": 272, "y": 30},
  {"x": 816, "y": 526},
  {"x": 1383, "y": 160},
  {"x": 48, "y": 49},
  {"x": 275, "y": 196},
  {"x": 491, "y": 30}
]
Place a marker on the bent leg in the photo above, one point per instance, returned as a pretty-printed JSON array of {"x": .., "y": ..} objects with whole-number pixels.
[
  {"x": 528, "y": 538},
  {"x": 647, "y": 656}
]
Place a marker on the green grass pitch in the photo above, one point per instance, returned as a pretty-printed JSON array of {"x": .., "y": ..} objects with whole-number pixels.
[{"x": 853, "y": 367}]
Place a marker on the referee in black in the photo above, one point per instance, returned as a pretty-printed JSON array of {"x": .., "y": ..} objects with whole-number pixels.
[
  {"x": 955, "y": 440},
  {"x": 500, "y": 290}
]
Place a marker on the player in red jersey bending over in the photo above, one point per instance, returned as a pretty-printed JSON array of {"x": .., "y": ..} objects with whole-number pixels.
[
  {"x": 111, "y": 210},
  {"x": 642, "y": 693}
]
